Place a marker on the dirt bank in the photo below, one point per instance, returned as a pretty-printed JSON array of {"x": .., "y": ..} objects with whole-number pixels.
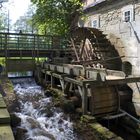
[{"x": 6, "y": 88}]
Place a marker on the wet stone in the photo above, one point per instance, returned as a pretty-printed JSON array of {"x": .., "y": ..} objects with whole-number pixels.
[
  {"x": 20, "y": 134},
  {"x": 48, "y": 93},
  {"x": 68, "y": 106},
  {"x": 88, "y": 119},
  {"x": 33, "y": 123},
  {"x": 47, "y": 111},
  {"x": 15, "y": 120}
]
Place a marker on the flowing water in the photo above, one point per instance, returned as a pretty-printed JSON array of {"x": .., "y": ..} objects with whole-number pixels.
[{"x": 40, "y": 119}]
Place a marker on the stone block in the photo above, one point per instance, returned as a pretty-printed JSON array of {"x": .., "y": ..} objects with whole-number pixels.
[
  {"x": 2, "y": 103},
  {"x": 6, "y": 133},
  {"x": 0, "y": 95},
  {"x": 4, "y": 116}
]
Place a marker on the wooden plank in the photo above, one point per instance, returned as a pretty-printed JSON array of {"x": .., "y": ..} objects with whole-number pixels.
[
  {"x": 78, "y": 70},
  {"x": 103, "y": 94},
  {"x": 105, "y": 104},
  {"x": 6, "y": 132},
  {"x": 57, "y": 75},
  {"x": 102, "y": 98},
  {"x": 74, "y": 48},
  {"x": 82, "y": 48},
  {"x": 53, "y": 67},
  {"x": 73, "y": 81},
  {"x": 105, "y": 110},
  {"x": 84, "y": 99},
  {"x": 48, "y": 72},
  {"x": 112, "y": 82}
]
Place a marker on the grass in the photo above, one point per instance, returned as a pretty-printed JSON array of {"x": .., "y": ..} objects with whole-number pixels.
[{"x": 2, "y": 60}]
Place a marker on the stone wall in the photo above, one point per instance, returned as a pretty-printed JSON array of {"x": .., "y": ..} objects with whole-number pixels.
[{"x": 125, "y": 36}]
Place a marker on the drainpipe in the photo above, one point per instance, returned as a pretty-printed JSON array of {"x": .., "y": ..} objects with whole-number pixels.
[
  {"x": 133, "y": 118},
  {"x": 135, "y": 33}
]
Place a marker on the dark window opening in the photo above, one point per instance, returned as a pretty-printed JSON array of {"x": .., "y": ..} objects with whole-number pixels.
[{"x": 127, "y": 15}]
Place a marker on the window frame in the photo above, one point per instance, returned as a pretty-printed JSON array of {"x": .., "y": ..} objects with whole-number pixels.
[
  {"x": 97, "y": 19},
  {"x": 94, "y": 25},
  {"x": 127, "y": 16},
  {"x": 126, "y": 9}
]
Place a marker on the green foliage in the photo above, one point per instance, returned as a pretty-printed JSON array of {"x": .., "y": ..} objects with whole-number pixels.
[
  {"x": 3, "y": 21},
  {"x": 56, "y": 16}
]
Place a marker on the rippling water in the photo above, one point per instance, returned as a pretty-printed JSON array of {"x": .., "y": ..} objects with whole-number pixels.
[{"x": 38, "y": 115}]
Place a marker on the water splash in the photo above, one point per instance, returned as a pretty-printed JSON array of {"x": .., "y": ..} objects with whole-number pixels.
[{"x": 38, "y": 115}]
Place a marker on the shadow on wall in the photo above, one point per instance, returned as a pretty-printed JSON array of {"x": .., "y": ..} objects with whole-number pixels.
[
  {"x": 127, "y": 95},
  {"x": 127, "y": 68}
]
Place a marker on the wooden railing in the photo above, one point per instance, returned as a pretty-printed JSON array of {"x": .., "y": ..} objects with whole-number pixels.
[{"x": 19, "y": 41}]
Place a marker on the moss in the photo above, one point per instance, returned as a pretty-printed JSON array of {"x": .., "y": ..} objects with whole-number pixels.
[
  {"x": 7, "y": 89},
  {"x": 88, "y": 119},
  {"x": 103, "y": 132},
  {"x": 2, "y": 61}
]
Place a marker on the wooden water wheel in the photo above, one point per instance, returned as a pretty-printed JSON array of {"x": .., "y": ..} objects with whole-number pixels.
[{"x": 92, "y": 48}]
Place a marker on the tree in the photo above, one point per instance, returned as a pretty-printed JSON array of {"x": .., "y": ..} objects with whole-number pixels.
[
  {"x": 25, "y": 22},
  {"x": 4, "y": 21},
  {"x": 56, "y": 17}
]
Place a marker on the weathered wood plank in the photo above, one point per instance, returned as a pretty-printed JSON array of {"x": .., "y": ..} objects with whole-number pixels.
[
  {"x": 105, "y": 104},
  {"x": 73, "y": 81},
  {"x": 105, "y": 110},
  {"x": 112, "y": 82}
]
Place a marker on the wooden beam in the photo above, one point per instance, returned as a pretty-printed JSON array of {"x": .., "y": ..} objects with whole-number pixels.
[
  {"x": 77, "y": 57},
  {"x": 76, "y": 82},
  {"x": 87, "y": 62},
  {"x": 84, "y": 99},
  {"x": 112, "y": 82},
  {"x": 82, "y": 50}
]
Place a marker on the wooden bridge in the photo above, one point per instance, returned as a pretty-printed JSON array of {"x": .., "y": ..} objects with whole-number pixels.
[
  {"x": 30, "y": 45},
  {"x": 21, "y": 50}
]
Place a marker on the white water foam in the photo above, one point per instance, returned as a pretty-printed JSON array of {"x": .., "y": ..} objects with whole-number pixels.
[{"x": 38, "y": 116}]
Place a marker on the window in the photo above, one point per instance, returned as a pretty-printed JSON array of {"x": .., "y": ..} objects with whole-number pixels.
[
  {"x": 94, "y": 24},
  {"x": 127, "y": 16},
  {"x": 95, "y": 21},
  {"x": 128, "y": 13}
]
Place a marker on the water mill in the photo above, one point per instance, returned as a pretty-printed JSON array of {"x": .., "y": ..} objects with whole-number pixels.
[{"x": 79, "y": 85}]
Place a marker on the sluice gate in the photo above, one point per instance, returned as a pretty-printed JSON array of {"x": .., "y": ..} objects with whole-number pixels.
[{"x": 97, "y": 88}]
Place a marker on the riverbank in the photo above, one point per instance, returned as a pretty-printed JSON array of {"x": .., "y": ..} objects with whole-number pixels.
[
  {"x": 5, "y": 121},
  {"x": 7, "y": 90}
]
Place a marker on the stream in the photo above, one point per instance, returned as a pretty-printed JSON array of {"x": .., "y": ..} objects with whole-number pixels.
[{"x": 40, "y": 119}]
